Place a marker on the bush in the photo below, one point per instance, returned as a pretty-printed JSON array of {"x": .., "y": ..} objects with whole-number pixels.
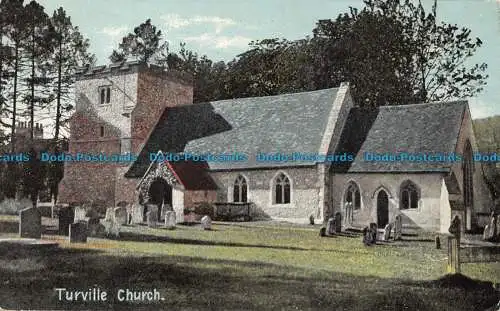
[{"x": 13, "y": 207}]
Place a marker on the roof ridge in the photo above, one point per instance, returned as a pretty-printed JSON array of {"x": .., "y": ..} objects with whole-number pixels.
[
  {"x": 451, "y": 102},
  {"x": 270, "y": 96}
]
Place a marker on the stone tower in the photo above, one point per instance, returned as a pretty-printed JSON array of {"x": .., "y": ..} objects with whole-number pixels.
[{"x": 116, "y": 108}]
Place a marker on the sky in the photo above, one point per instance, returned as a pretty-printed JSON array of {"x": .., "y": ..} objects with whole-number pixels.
[{"x": 222, "y": 29}]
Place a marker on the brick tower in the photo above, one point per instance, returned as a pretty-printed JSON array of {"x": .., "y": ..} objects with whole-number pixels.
[{"x": 116, "y": 108}]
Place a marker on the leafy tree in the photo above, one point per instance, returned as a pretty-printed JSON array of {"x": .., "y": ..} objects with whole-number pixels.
[
  {"x": 393, "y": 52},
  {"x": 145, "y": 45}
]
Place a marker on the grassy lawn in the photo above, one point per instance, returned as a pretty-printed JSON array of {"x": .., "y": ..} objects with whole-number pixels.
[{"x": 242, "y": 267}]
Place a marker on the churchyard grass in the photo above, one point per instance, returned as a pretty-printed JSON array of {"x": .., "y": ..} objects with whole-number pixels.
[{"x": 241, "y": 266}]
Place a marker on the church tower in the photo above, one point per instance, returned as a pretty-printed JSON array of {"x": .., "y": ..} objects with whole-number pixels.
[{"x": 116, "y": 108}]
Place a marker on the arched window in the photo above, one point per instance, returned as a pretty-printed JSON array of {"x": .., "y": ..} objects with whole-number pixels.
[
  {"x": 281, "y": 189},
  {"x": 240, "y": 190},
  {"x": 409, "y": 196},
  {"x": 353, "y": 195}
]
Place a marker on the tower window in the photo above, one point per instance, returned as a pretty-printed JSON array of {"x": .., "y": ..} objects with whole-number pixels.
[
  {"x": 101, "y": 131},
  {"x": 104, "y": 95}
]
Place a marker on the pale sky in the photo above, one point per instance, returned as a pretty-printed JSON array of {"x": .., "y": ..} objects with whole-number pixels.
[{"x": 221, "y": 29}]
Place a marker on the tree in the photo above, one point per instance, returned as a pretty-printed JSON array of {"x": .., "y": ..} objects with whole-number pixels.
[
  {"x": 393, "y": 52},
  {"x": 145, "y": 45}
]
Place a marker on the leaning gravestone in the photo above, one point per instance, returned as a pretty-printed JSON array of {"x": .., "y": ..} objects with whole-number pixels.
[
  {"x": 206, "y": 223},
  {"x": 398, "y": 228},
  {"x": 137, "y": 214},
  {"x": 66, "y": 217},
  {"x": 330, "y": 226},
  {"x": 170, "y": 220},
  {"x": 80, "y": 214},
  {"x": 78, "y": 232},
  {"x": 387, "y": 232},
  {"x": 30, "y": 223},
  {"x": 338, "y": 222},
  {"x": 121, "y": 215},
  {"x": 152, "y": 218}
]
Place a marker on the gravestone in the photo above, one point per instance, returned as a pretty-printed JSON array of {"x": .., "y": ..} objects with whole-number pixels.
[
  {"x": 330, "y": 226},
  {"x": 152, "y": 218},
  {"x": 437, "y": 240},
  {"x": 206, "y": 223},
  {"x": 170, "y": 220},
  {"x": 455, "y": 228},
  {"x": 137, "y": 214},
  {"x": 109, "y": 214},
  {"x": 348, "y": 213},
  {"x": 367, "y": 236},
  {"x": 373, "y": 232},
  {"x": 322, "y": 231},
  {"x": 78, "y": 232},
  {"x": 94, "y": 227},
  {"x": 490, "y": 230},
  {"x": 164, "y": 209},
  {"x": 120, "y": 214},
  {"x": 497, "y": 227},
  {"x": 111, "y": 228},
  {"x": 66, "y": 217},
  {"x": 338, "y": 222},
  {"x": 387, "y": 232},
  {"x": 398, "y": 228},
  {"x": 30, "y": 223},
  {"x": 311, "y": 220},
  {"x": 80, "y": 214}
]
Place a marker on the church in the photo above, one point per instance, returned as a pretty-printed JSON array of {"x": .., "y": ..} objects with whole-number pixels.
[{"x": 288, "y": 156}]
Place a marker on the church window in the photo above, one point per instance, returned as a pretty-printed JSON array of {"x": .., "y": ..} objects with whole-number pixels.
[
  {"x": 281, "y": 189},
  {"x": 353, "y": 195},
  {"x": 240, "y": 190},
  {"x": 101, "y": 131},
  {"x": 409, "y": 196},
  {"x": 105, "y": 95}
]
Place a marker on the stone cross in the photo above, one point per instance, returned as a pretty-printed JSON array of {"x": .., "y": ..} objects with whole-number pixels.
[{"x": 30, "y": 223}]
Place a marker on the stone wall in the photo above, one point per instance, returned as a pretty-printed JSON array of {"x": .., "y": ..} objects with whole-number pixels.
[
  {"x": 305, "y": 187},
  {"x": 155, "y": 91},
  {"x": 426, "y": 216}
]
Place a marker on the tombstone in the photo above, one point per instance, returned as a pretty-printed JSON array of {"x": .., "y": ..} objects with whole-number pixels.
[
  {"x": 398, "y": 228},
  {"x": 437, "y": 240},
  {"x": 311, "y": 220},
  {"x": 170, "y": 220},
  {"x": 387, "y": 232},
  {"x": 80, "y": 214},
  {"x": 373, "y": 232},
  {"x": 94, "y": 227},
  {"x": 120, "y": 214},
  {"x": 348, "y": 213},
  {"x": 109, "y": 214},
  {"x": 322, "y": 231},
  {"x": 330, "y": 226},
  {"x": 338, "y": 222},
  {"x": 66, "y": 217},
  {"x": 164, "y": 209},
  {"x": 152, "y": 218},
  {"x": 112, "y": 228},
  {"x": 78, "y": 232},
  {"x": 490, "y": 230},
  {"x": 30, "y": 223},
  {"x": 206, "y": 223},
  {"x": 137, "y": 214},
  {"x": 497, "y": 227},
  {"x": 455, "y": 228},
  {"x": 367, "y": 237}
]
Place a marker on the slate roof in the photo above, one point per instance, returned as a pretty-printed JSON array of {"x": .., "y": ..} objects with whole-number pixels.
[
  {"x": 273, "y": 124},
  {"x": 420, "y": 128}
]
